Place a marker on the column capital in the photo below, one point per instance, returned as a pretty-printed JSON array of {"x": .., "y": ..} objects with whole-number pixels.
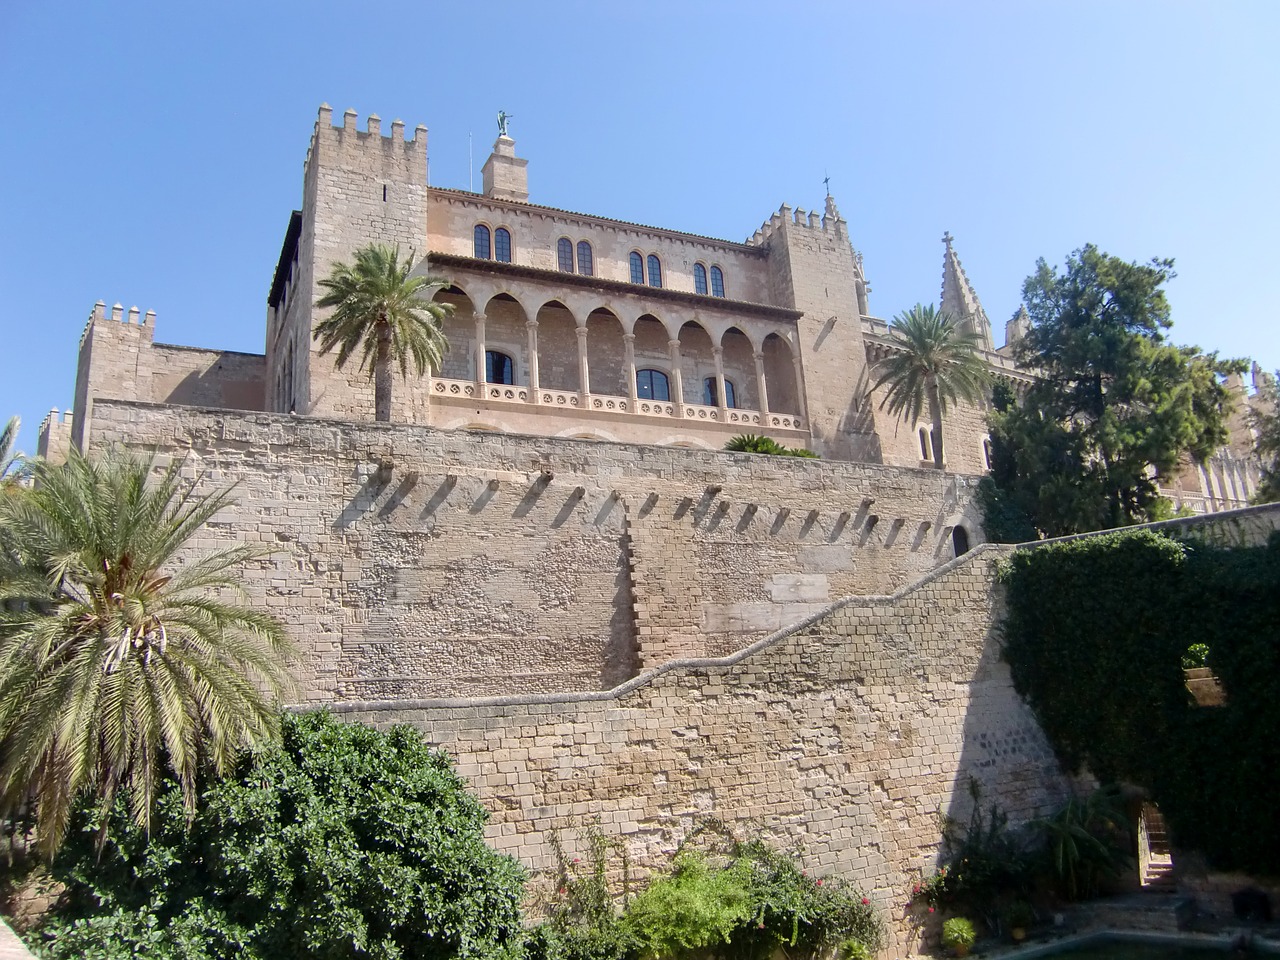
[
  {"x": 759, "y": 356},
  {"x": 674, "y": 344},
  {"x": 717, "y": 350},
  {"x": 531, "y": 324},
  {"x": 581, "y": 331},
  {"x": 628, "y": 338}
]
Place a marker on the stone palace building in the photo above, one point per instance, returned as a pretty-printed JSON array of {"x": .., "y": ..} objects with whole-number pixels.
[{"x": 547, "y": 563}]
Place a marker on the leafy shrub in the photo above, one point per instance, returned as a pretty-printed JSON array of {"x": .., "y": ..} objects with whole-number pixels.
[
  {"x": 986, "y": 863},
  {"x": 740, "y": 900},
  {"x": 342, "y": 842},
  {"x": 1197, "y": 655},
  {"x": 582, "y": 923},
  {"x": 696, "y": 907},
  {"x": 754, "y": 443},
  {"x": 1085, "y": 843},
  {"x": 958, "y": 932}
]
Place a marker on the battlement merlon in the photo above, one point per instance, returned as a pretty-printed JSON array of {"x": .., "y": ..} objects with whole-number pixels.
[
  {"x": 829, "y": 222},
  {"x": 54, "y": 438},
  {"x": 346, "y": 136},
  {"x": 98, "y": 314}
]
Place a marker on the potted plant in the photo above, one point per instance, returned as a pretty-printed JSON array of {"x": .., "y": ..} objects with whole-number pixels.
[
  {"x": 1017, "y": 917},
  {"x": 958, "y": 935}
]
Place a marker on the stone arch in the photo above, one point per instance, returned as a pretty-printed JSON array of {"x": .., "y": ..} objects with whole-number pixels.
[
  {"x": 740, "y": 367},
  {"x": 504, "y": 332},
  {"x": 557, "y": 347},
  {"x": 460, "y": 331},
  {"x": 959, "y": 540},
  {"x": 684, "y": 440},
  {"x": 780, "y": 375},
  {"x": 468, "y": 423},
  {"x": 606, "y": 359},
  {"x": 697, "y": 360},
  {"x": 652, "y": 351},
  {"x": 591, "y": 433}
]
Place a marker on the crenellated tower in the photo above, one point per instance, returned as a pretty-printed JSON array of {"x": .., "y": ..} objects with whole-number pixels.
[
  {"x": 813, "y": 267},
  {"x": 115, "y": 361},
  {"x": 359, "y": 187}
]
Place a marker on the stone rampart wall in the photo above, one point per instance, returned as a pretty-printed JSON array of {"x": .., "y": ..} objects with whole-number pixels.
[
  {"x": 847, "y": 734},
  {"x": 209, "y": 378},
  {"x": 414, "y": 562}
]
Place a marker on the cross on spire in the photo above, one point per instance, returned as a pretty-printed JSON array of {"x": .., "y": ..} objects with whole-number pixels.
[
  {"x": 826, "y": 182},
  {"x": 947, "y": 238}
]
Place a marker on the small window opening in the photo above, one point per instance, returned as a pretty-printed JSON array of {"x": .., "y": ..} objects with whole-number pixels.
[
  {"x": 498, "y": 368},
  {"x": 652, "y": 385}
]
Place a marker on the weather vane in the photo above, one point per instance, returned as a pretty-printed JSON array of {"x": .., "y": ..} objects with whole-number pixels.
[{"x": 503, "y": 117}]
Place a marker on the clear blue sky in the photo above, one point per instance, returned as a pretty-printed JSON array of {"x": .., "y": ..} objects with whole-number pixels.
[{"x": 152, "y": 153}]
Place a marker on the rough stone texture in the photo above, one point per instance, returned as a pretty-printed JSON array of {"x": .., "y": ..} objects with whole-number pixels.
[
  {"x": 848, "y": 734},
  {"x": 416, "y": 562}
]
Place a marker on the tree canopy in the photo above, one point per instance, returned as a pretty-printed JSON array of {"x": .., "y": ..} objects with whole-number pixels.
[
  {"x": 935, "y": 364},
  {"x": 385, "y": 314},
  {"x": 1115, "y": 406},
  {"x": 121, "y": 653},
  {"x": 341, "y": 842}
]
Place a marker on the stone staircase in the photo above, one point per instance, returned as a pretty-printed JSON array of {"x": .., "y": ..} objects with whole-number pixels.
[{"x": 1157, "y": 877}]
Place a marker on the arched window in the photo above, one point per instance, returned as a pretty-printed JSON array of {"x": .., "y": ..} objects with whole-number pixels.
[
  {"x": 498, "y": 368},
  {"x": 502, "y": 245},
  {"x": 960, "y": 540},
  {"x": 924, "y": 445},
  {"x": 717, "y": 282},
  {"x": 564, "y": 254},
  {"x": 482, "y": 241},
  {"x": 652, "y": 385},
  {"x": 637, "y": 268},
  {"x": 655, "y": 271},
  {"x": 585, "y": 265},
  {"x": 699, "y": 278},
  {"x": 709, "y": 393},
  {"x": 986, "y": 451}
]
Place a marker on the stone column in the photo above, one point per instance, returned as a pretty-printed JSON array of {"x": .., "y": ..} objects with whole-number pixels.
[
  {"x": 531, "y": 326},
  {"x": 722, "y": 398},
  {"x": 629, "y": 353},
  {"x": 677, "y": 383},
  {"x": 584, "y": 368},
  {"x": 480, "y": 351},
  {"x": 802, "y": 396},
  {"x": 761, "y": 386}
]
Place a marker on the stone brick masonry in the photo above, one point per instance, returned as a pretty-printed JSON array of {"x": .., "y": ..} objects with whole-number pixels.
[
  {"x": 414, "y": 562},
  {"x": 848, "y": 734}
]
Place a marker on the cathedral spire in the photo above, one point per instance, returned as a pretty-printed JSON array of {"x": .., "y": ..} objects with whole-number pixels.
[{"x": 959, "y": 299}]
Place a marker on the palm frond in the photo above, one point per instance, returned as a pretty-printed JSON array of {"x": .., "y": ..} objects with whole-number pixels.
[{"x": 118, "y": 651}]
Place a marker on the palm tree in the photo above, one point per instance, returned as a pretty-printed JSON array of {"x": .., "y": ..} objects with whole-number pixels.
[
  {"x": 382, "y": 311},
  {"x": 10, "y": 461},
  {"x": 936, "y": 363},
  {"x": 117, "y": 656}
]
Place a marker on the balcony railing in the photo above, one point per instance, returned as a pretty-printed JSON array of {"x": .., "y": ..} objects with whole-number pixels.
[{"x": 571, "y": 400}]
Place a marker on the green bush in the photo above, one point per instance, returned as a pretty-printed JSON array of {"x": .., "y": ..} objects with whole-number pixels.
[
  {"x": 1197, "y": 655},
  {"x": 958, "y": 932},
  {"x": 342, "y": 842},
  {"x": 754, "y": 443},
  {"x": 739, "y": 900},
  {"x": 1095, "y": 633},
  {"x": 697, "y": 907}
]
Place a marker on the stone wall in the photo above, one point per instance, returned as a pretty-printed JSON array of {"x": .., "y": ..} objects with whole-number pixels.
[
  {"x": 847, "y": 734},
  {"x": 208, "y": 378},
  {"x": 415, "y": 562}
]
